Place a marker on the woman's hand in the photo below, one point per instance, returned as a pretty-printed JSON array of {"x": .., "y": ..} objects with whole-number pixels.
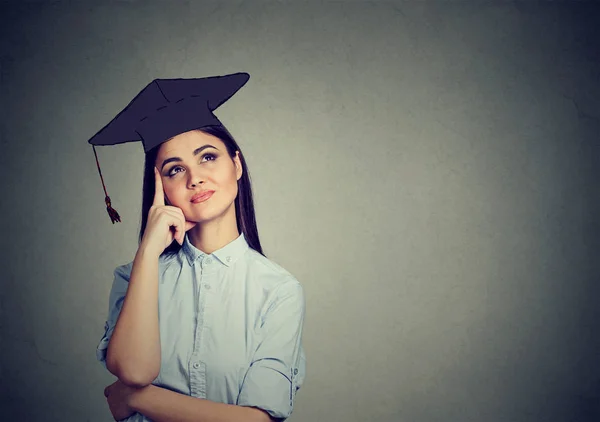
[
  {"x": 158, "y": 233},
  {"x": 118, "y": 397}
]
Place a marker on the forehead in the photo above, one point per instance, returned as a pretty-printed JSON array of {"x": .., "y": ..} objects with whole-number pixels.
[{"x": 185, "y": 143}]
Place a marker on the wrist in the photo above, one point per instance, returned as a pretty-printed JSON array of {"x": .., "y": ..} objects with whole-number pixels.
[
  {"x": 146, "y": 252},
  {"x": 137, "y": 396}
]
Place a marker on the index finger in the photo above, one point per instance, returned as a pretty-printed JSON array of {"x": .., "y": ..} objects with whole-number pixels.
[{"x": 159, "y": 194}]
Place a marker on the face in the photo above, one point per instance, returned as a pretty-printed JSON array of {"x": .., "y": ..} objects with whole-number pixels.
[{"x": 193, "y": 157}]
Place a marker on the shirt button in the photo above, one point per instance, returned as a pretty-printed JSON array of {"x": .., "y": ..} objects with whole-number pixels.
[
  {"x": 196, "y": 365},
  {"x": 209, "y": 261},
  {"x": 296, "y": 371},
  {"x": 207, "y": 286},
  {"x": 228, "y": 259}
]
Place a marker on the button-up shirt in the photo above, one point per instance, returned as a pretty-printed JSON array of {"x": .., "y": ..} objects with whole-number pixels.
[{"x": 230, "y": 327}]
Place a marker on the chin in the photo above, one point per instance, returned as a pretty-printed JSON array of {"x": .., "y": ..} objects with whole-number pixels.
[
  {"x": 202, "y": 216},
  {"x": 209, "y": 214}
]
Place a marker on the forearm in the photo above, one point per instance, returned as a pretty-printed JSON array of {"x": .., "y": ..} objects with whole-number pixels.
[
  {"x": 162, "y": 405},
  {"x": 133, "y": 353}
]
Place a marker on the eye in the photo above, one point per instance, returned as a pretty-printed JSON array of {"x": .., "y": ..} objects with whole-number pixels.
[
  {"x": 211, "y": 155},
  {"x": 171, "y": 173}
]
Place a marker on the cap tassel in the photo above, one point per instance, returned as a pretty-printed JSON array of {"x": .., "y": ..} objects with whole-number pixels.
[{"x": 112, "y": 213}]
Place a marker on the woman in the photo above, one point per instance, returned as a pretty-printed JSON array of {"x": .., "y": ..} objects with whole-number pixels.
[{"x": 201, "y": 325}]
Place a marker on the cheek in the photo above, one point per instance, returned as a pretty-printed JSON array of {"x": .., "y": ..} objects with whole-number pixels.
[
  {"x": 225, "y": 180},
  {"x": 232, "y": 185},
  {"x": 174, "y": 194}
]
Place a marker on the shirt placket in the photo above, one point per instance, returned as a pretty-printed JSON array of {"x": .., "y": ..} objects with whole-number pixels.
[{"x": 197, "y": 365}]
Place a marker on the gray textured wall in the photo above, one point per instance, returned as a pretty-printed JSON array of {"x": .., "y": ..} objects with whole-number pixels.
[{"x": 425, "y": 169}]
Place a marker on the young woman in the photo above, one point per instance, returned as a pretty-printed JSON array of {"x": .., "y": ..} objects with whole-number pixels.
[{"x": 201, "y": 325}]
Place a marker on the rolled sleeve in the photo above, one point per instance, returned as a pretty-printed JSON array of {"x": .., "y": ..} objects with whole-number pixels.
[
  {"x": 115, "y": 304},
  {"x": 277, "y": 369}
]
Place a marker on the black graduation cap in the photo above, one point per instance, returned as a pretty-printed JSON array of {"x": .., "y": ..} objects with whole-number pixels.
[{"x": 165, "y": 108}]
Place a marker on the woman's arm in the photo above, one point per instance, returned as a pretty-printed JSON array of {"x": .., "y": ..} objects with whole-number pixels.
[
  {"x": 162, "y": 405},
  {"x": 133, "y": 353}
]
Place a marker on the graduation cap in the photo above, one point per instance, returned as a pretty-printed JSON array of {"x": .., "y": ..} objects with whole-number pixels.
[{"x": 163, "y": 109}]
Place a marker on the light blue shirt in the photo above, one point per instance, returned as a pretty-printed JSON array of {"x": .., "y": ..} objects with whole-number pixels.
[{"x": 230, "y": 327}]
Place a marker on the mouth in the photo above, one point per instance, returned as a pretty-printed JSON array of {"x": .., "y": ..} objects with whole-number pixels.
[{"x": 201, "y": 197}]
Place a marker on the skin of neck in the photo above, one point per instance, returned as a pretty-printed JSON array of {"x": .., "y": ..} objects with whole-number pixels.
[{"x": 210, "y": 236}]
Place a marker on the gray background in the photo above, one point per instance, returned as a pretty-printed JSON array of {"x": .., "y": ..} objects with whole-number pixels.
[{"x": 425, "y": 169}]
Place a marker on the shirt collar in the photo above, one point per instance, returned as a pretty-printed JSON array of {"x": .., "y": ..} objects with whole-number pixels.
[{"x": 227, "y": 255}]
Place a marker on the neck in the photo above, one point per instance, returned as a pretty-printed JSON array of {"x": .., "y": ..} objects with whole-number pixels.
[{"x": 212, "y": 235}]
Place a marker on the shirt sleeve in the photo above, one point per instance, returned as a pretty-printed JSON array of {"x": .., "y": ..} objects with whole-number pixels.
[
  {"x": 277, "y": 369},
  {"x": 115, "y": 304}
]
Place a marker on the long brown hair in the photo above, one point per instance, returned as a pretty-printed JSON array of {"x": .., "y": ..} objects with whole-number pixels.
[{"x": 244, "y": 205}]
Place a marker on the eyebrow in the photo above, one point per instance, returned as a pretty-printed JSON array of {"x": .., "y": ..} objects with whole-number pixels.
[{"x": 196, "y": 152}]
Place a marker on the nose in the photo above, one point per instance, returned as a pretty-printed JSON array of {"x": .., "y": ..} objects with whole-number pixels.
[{"x": 195, "y": 179}]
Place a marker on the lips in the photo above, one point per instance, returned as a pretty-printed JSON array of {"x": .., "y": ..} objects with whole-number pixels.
[{"x": 202, "y": 196}]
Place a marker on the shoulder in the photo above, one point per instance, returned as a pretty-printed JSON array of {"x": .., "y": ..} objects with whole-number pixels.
[
  {"x": 165, "y": 261},
  {"x": 124, "y": 271},
  {"x": 271, "y": 277},
  {"x": 120, "y": 283},
  {"x": 267, "y": 269}
]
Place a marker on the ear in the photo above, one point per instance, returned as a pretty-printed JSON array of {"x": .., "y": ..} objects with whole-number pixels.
[{"x": 238, "y": 165}]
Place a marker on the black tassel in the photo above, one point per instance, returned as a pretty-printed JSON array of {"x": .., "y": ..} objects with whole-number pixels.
[{"x": 112, "y": 213}]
